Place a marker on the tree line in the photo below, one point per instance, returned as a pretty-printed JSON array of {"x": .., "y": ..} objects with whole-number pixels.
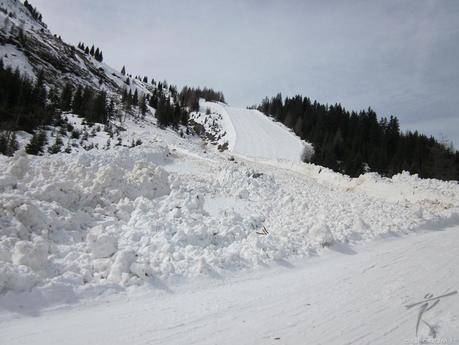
[
  {"x": 27, "y": 105},
  {"x": 356, "y": 142},
  {"x": 189, "y": 96},
  {"x": 168, "y": 110},
  {"x": 33, "y": 12},
  {"x": 96, "y": 53},
  {"x": 86, "y": 102},
  {"x": 23, "y": 106}
]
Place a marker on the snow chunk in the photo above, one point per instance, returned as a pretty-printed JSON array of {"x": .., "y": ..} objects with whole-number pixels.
[
  {"x": 31, "y": 254},
  {"x": 321, "y": 234},
  {"x": 102, "y": 243},
  {"x": 16, "y": 278},
  {"x": 120, "y": 271}
]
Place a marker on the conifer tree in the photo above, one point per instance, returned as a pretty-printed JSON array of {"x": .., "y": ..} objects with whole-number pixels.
[
  {"x": 56, "y": 147},
  {"x": 8, "y": 142},
  {"x": 77, "y": 104},
  {"x": 66, "y": 97},
  {"x": 135, "y": 98},
  {"x": 37, "y": 143},
  {"x": 100, "y": 108},
  {"x": 143, "y": 105}
]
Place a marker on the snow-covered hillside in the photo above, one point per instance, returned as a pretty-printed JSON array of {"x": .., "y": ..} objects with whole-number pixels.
[
  {"x": 250, "y": 133},
  {"x": 26, "y": 44}
]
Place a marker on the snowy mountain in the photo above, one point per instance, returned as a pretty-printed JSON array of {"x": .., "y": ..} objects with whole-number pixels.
[
  {"x": 159, "y": 235},
  {"x": 28, "y": 45}
]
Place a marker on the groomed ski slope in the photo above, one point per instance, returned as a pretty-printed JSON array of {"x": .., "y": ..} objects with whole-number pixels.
[
  {"x": 251, "y": 133},
  {"x": 342, "y": 297}
]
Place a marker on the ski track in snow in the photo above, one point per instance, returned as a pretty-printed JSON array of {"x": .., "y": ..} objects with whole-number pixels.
[
  {"x": 267, "y": 141},
  {"x": 251, "y": 133},
  {"x": 341, "y": 297}
]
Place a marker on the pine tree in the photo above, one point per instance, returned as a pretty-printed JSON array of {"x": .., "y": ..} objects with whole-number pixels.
[
  {"x": 66, "y": 97},
  {"x": 56, "y": 147},
  {"x": 92, "y": 51},
  {"x": 100, "y": 108},
  {"x": 123, "y": 70},
  {"x": 77, "y": 104},
  {"x": 39, "y": 93},
  {"x": 37, "y": 143},
  {"x": 135, "y": 98},
  {"x": 8, "y": 142},
  {"x": 143, "y": 105}
]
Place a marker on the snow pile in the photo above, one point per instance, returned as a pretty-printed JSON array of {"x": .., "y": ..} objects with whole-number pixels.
[{"x": 98, "y": 220}]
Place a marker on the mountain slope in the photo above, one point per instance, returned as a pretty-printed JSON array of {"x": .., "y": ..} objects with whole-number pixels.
[
  {"x": 28, "y": 45},
  {"x": 250, "y": 133}
]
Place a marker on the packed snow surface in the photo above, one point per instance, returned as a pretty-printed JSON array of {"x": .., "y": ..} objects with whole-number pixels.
[
  {"x": 348, "y": 295},
  {"x": 250, "y": 133}
]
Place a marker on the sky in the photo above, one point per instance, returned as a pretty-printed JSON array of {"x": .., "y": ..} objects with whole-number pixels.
[{"x": 401, "y": 57}]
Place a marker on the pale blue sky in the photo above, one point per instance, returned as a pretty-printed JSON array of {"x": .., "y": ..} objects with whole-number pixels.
[{"x": 400, "y": 57}]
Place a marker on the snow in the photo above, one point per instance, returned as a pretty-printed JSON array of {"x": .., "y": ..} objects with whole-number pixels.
[
  {"x": 15, "y": 59},
  {"x": 21, "y": 16},
  {"x": 348, "y": 295},
  {"x": 182, "y": 240},
  {"x": 93, "y": 222},
  {"x": 236, "y": 126}
]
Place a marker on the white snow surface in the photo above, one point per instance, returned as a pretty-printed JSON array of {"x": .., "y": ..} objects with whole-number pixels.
[
  {"x": 348, "y": 295},
  {"x": 250, "y": 133},
  {"x": 173, "y": 212},
  {"x": 15, "y": 59},
  {"x": 77, "y": 225}
]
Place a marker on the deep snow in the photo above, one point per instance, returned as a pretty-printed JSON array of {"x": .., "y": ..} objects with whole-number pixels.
[{"x": 78, "y": 225}]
